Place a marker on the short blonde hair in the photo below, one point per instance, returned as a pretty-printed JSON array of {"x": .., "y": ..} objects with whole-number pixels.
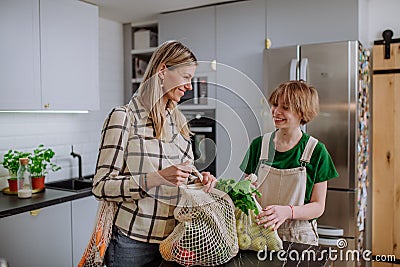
[{"x": 299, "y": 97}]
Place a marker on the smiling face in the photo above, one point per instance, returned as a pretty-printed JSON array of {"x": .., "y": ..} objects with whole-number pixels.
[
  {"x": 177, "y": 81},
  {"x": 284, "y": 117},
  {"x": 293, "y": 103}
]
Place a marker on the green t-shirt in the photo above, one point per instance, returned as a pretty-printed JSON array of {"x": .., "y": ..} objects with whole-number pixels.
[{"x": 320, "y": 168}]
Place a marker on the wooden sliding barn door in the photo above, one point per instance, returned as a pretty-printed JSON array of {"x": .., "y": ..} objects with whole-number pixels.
[{"x": 386, "y": 153}]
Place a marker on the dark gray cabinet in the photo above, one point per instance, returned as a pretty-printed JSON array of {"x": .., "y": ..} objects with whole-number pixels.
[
  {"x": 218, "y": 33},
  {"x": 240, "y": 42},
  {"x": 240, "y": 109},
  {"x": 195, "y": 28},
  {"x": 311, "y": 21}
]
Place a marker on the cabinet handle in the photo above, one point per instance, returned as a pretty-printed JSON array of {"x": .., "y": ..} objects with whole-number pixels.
[
  {"x": 268, "y": 43},
  {"x": 35, "y": 212},
  {"x": 214, "y": 65},
  {"x": 47, "y": 105}
]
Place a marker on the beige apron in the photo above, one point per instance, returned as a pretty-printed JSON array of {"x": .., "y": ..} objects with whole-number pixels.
[{"x": 287, "y": 187}]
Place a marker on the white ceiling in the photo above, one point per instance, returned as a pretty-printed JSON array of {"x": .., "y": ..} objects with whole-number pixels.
[{"x": 144, "y": 10}]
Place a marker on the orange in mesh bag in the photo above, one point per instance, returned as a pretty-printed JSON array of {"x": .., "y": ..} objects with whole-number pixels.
[
  {"x": 206, "y": 232},
  {"x": 100, "y": 238}
]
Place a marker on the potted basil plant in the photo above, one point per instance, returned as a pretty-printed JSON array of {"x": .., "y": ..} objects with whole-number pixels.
[
  {"x": 40, "y": 164},
  {"x": 11, "y": 163}
]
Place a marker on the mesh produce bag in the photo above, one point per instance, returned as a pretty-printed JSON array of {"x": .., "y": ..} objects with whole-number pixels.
[
  {"x": 255, "y": 237},
  {"x": 206, "y": 232},
  {"x": 101, "y": 236}
]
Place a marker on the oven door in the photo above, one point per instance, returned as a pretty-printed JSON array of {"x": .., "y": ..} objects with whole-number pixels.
[
  {"x": 202, "y": 124},
  {"x": 204, "y": 148}
]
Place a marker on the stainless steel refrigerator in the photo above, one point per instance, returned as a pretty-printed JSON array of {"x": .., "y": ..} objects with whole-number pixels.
[{"x": 340, "y": 73}]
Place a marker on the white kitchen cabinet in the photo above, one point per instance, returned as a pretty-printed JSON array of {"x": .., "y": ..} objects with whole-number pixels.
[
  {"x": 69, "y": 55},
  {"x": 312, "y": 21},
  {"x": 50, "y": 56},
  {"x": 83, "y": 220},
  {"x": 38, "y": 239},
  {"x": 20, "y": 55}
]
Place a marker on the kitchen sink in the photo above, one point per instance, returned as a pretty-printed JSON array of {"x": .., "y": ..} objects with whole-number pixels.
[{"x": 74, "y": 185}]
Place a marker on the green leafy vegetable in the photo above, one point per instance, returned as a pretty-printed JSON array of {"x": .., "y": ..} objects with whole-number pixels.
[{"x": 241, "y": 193}]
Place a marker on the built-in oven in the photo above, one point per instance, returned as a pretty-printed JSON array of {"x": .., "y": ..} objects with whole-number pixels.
[
  {"x": 202, "y": 124},
  {"x": 199, "y": 94}
]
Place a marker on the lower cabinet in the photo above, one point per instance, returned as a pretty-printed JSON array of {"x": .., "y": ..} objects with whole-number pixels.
[
  {"x": 38, "y": 238},
  {"x": 53, "y": 236},
  {"x": 83, "y": 217}
]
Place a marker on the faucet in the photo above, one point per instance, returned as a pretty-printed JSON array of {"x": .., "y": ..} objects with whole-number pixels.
[{"x": 73, "y": 154}]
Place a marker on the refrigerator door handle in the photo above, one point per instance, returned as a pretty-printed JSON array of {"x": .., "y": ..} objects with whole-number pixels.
[
  {"x": 195, "y": 90},
  {"x": 328, "y": 241},
  {"x": 330, "y": 231},
  {"x": 303, "y": 69},
  {"x": 293, "y": 70}
]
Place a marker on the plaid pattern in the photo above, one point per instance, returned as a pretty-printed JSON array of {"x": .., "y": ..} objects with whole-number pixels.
[{"x": 128, "y": 151}]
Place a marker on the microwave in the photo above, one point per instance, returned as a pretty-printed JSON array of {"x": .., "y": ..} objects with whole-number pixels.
[{"x": 199, "y": 94}]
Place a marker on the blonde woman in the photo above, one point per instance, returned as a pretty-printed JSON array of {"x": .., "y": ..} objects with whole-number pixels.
[
  {"x": 292, "y": 167},
  {"x": 145, "y": 154}
]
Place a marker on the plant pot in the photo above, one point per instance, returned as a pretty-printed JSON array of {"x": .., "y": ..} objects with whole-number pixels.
[
  {"x": 12, "y": 184},
  {"x": 37, "y": 182}
]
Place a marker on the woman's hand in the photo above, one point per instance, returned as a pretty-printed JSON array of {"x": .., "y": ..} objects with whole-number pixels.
[
  {"x": 274, "y": 216},
  {"x": 209, "y": 181},
  {"x": 176, "y": 174}
]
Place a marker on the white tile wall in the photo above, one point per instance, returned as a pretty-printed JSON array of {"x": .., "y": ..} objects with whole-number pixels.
[{"x": 59, "y": 131}]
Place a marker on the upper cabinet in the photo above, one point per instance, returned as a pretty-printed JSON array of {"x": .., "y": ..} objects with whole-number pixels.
[
  {"x": 215, "y": 34},
  {"x": 53, "y": 63},
  {"x": 239, "y": 49},
  {"x": 69, "y": 35},
  {"x": 312, "y": 21},
  {"x": 195, "y": 28},
  {"x": 235, "y": 45},
  {"x": 20, "y": 55}
]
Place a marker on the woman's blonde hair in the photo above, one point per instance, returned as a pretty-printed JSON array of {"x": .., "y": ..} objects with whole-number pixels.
[
  {"x": 150, "y": 93},
  {"x": 298, "y": 97}
]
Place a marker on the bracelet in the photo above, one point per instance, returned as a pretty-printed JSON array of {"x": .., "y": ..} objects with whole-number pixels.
[{"x": 291, "y": 207}]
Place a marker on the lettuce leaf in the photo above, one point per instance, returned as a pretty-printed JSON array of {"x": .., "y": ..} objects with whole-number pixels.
[{"x": 241, "y": 193}]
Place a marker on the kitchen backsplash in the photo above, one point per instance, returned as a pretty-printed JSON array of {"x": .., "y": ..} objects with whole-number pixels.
[{"x": 24, "y": 131}]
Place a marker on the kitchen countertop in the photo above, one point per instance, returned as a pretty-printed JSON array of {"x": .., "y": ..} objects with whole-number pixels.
[
  {"x": 12, "y": 205},
  {"x": 286, "y": 257}
]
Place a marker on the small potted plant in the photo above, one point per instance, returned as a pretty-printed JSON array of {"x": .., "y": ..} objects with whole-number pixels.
[
  {"x": 11, "y": 163},
  {"x": 40, "y": 164}
]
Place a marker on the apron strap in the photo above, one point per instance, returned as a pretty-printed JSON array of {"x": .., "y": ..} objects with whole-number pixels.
[
  {"x": 305, "y": 157},
  {"x": 265, "y": 146},
  {"x": 308, "y": 150}
]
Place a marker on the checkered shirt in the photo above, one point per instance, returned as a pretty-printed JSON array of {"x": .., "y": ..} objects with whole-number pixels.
[{"x": 128, "y": 151}]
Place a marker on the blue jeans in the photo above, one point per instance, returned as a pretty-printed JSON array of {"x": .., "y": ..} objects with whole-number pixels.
[{"x": 126, "y": 252}]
